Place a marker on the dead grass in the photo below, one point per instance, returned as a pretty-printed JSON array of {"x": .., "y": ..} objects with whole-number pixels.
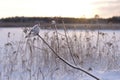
[{"x": 32, "y": 57}]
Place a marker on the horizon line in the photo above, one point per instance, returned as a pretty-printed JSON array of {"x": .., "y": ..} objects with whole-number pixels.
[{"x": 57, "y": 17}]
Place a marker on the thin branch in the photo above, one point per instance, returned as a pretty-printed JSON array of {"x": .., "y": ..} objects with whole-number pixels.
[
  {"x": 66, "y": 62},
  {"x": 68, "y": 43},
  {"x": 57, "y": 38}
]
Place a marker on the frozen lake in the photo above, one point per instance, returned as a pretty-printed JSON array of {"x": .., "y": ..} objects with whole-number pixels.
[{"x": 17, "y": 34}]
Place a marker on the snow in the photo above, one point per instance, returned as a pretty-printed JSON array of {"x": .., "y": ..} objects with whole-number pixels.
[
  {"x": 19, "y": 60},
  {"x": 111, "y": 75}
]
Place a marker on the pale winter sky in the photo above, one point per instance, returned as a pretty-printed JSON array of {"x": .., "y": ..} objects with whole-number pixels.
[{"x": 64, "y": 8}]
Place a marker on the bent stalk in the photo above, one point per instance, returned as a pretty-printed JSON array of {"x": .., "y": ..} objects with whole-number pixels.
[{"x": 66, "y": 62}]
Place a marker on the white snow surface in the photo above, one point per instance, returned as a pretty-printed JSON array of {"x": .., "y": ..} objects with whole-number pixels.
[{"x": 15, "y": 65}]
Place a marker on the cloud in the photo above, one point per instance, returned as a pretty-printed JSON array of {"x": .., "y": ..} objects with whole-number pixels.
[
  {"x": 111, "y": 7},
  {"x": 107, "y": 8},
  {"x": 111, "y": 2}
]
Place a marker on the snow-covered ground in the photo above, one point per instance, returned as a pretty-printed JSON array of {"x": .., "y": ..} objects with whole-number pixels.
[{"x": 31, "y": 59}]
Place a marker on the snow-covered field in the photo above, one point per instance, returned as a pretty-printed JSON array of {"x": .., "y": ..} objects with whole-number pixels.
[{"x": 30, "y": 59}]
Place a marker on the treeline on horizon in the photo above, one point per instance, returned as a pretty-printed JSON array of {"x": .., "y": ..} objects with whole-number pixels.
[
  {"x": 70, "y": 23},
  {"x": 115, "y": 19}
]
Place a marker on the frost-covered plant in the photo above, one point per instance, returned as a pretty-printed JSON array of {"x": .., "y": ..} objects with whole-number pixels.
[{"x": 32, "y": 57}]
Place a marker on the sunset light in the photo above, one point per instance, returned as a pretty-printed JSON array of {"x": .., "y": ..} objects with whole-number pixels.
[{"x": 64, "y": 8}]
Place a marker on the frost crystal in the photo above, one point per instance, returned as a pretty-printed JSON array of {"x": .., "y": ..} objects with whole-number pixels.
[{"x": 34, "y": 31}]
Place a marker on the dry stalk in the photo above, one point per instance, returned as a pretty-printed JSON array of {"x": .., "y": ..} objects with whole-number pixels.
[
  {"x": 66, "y": 62},
  {"x": 68, "y": 43}
]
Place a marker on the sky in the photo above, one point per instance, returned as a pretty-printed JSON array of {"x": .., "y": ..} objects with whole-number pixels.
[{"x": 57, "y": 8}]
